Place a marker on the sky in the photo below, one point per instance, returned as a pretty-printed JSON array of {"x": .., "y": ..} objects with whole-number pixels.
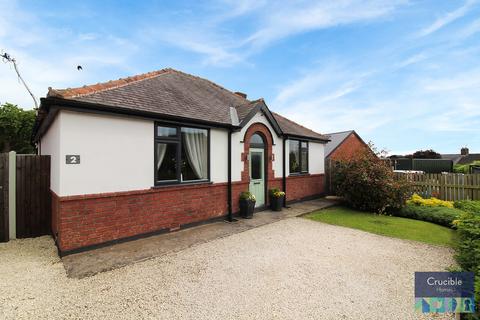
[{"x": 403, "y": 74}]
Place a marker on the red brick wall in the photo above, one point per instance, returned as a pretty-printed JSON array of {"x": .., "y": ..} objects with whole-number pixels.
[
  {"x": 93, "y": 219},
  {"x": 303, "y": 186},
  {"x": 349, "y": 148},
  {"x": 80, "y": 221}
]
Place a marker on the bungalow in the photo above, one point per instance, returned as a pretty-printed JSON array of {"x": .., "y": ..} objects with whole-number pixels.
[{"x": 162, "y": 151}]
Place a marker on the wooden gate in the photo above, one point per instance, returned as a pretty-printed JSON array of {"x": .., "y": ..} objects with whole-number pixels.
[
  {"x": 4, "y": 197},
  {"x": 33, "y": 198}
]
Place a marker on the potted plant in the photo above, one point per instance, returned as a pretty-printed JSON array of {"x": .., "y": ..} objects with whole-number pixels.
[
  {"x": 276, "y": 199},
  {"x": 247, "y": 204}
]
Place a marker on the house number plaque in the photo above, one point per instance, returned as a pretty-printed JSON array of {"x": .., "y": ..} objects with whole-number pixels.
[{"x": 73, "y": 159}]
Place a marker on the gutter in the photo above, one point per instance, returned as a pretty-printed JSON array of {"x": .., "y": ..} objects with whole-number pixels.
[
  {"x": 80, "y": 106},
  {"x": 298, "y": 137},
  {"x": 284, "y": 169},
  {"x": 229, "y": 185}
]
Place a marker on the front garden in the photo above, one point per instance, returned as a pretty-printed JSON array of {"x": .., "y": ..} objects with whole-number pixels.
[{"x": 377, "y": 202}]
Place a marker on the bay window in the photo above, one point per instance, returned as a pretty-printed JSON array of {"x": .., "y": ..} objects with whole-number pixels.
[
  {"x": 181, "y": 154},
  {"x": 298, "y": 156}
]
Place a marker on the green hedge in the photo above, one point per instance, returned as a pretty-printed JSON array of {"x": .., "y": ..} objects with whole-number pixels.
[
  {"x": 468, "y": 206},
  {"x": 438, "y": 215},
  {"x": 468, "y": 248},
  {"x": 466, "y": 215}
]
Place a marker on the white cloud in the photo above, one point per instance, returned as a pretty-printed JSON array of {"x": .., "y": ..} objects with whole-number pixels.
[
  {"x": 471, "y": 29},
  {"x": 268, "y": 21},
  {"x": 412, "y": 60},
  {"x": 459, "y": 81},
  {"x": 325, "y": 99},
  {"x": 241, "y": 7},
  {"x": 284, "y": 20},
  {"x": 448, "y": 18}
]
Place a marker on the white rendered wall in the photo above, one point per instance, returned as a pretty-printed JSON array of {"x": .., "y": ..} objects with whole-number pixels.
[
  {"x": 116, "y": 153},
  {"x": 50, "y": 145},
  {"x": 218, "y": 155},
  {"x": 237, "y": 148},
  {"x": 316, "y": 159}
]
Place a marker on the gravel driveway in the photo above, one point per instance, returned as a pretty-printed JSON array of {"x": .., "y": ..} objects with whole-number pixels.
[{"x": 291, "y": 269}]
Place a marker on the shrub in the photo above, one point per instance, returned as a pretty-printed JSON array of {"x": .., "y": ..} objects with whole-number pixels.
[
  {"x": 368, "y": 183},
  {"x": 464, "y": 168},
  {"x": 468, "y": 255},
  {"x": 415, "y": 199},
  {"x": 468, "y": 249},
  {"x": 443, "y": 216},
  {"x": 468, "y": 206}
]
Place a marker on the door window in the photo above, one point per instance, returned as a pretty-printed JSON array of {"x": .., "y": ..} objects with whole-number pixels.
[{"x": 256, "y": 165}]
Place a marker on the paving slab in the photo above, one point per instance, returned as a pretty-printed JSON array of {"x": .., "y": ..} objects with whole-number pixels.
[{"x": 91, "y": 262}]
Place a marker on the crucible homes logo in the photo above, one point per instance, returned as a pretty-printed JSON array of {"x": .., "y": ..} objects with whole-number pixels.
[{"x": 444, "y": 292}]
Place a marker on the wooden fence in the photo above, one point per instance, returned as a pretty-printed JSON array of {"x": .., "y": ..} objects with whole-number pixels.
[
  {"x": 446, "y": 186},
  {"x": 33, "y": 196},
  {"x": 4, "y": 235},
  {"x": 25, "y": 199}
]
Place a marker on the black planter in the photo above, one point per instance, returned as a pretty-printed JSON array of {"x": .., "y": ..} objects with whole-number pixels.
[
  {"x": 276, "y": 203},
  {"x": 246, "y": 208}
]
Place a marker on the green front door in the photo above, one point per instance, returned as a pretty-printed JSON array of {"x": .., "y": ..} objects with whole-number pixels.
[{"x": 257, "y": 175}]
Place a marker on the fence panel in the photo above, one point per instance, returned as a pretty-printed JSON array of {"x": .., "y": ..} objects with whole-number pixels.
[
  {"x": 446, "y": 186},
  {"x": 4, "y": 233},
  {"x": 33, "y": 196}
]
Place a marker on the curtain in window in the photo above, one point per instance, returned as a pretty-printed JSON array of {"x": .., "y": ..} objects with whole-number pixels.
[
  {"x": 196, "y": 146},
  {"x": 161, "y": 148}
]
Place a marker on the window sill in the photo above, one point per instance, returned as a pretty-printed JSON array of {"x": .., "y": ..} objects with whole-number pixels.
[
  {"x": 299, "y": 174},
  {"x": 180, "y": 184}
]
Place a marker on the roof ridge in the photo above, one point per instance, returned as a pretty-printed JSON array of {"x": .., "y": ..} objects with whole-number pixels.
[
  {"x": 340, "y": 132},
  {"x": 105, "y": 86},
  {"x": 296, "y": 123}
]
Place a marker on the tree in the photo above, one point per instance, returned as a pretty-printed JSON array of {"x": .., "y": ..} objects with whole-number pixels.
[
  {"x": 16, "y": 127},
  {"x": 426, "y": 154}
]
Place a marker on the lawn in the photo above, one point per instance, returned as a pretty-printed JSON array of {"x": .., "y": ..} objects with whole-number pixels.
[{"x": 395, "y": 227}]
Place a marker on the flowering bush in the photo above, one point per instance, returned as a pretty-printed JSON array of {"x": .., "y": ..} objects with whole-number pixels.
[
  {"x": 415, "y": 199},
  {"x": 368, "y": 183},
  {"x": 246, "y": 195},
  {"x": 277, "y": 193}
]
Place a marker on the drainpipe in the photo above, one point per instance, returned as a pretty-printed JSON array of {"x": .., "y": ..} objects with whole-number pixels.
[
  {"x": 229, "y": 191},
  {"x": 284, "y": 169}
]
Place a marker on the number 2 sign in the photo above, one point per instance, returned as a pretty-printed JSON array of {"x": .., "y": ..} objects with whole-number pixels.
[{"x": 72, "y": 159}]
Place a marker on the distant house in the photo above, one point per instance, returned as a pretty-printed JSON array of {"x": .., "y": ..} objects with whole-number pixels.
[
  {"x": 344, "y": 145},
  {"x": 464, "y": 157}
]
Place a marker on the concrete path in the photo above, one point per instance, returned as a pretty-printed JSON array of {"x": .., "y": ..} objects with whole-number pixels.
[{"x": 89, "y": 263}]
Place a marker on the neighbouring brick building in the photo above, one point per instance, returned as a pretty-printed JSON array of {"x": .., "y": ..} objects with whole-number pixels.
[
  {"x": 344, "y": 145},
  {"x": 162, "y": 151}
]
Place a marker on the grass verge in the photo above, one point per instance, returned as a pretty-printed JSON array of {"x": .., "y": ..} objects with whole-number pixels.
[{"x": 395, "y": 227}]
